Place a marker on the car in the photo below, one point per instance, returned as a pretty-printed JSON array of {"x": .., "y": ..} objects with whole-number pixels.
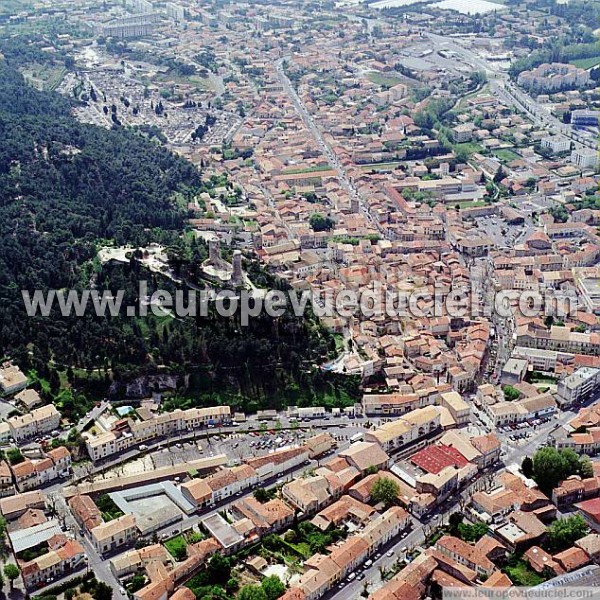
[
  {"x": 390, "y": 553},
  {"x": 368, "y": 564},
  {"x": 361, "y": 576}
]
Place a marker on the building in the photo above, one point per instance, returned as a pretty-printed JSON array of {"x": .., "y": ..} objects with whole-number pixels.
[
  {"x": 554, "y": 77},
  {"x": 128, "y": 433},
  {"x": 465, "y": 554},
  {"x": 513, "y": 371},
  {"x": 311, "y": 494},
  {"x": 38, "y": 421},
  {"x": 585, "y": 118},
  {"x": 14, "y": 506},
  {"x": 578, "y": 386},
  {"x": 585, "y": 158},
  {"x": 114, "y": 534},
  {"x": 85, "y": 512},
  {"x": 64, "y": 557},
  {"x": 556, "y": 144},
  {"x": 458, "y": 408},
  {"x": 404, "y": 430},
  {"x": 12, "y": 379},
  {"x": 365, "y": 456}
]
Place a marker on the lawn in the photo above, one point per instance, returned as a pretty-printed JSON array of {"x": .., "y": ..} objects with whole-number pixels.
[
  {"x": 506, "y": 155},
  {"x": 472, "y": 204},
  {"x": 586, "y": 63},
  {"x": 383, "y": 80},
  {"x": 469, "y": 147},
  {"x": 521, "y": 574},
  {"x": 177, "y": 547},
  {"x": 309, "y": 170},
  {"x": 388, "y": 166}
]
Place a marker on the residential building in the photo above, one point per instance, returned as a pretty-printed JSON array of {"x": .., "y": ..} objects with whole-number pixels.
[{"x": 114, "y": 534}]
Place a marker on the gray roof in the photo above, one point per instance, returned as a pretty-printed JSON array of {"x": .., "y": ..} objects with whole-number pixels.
[{"x": 23, "y": 539}]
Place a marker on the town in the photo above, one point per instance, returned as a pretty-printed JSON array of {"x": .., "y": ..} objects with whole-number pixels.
[{"x": 418, "y": 149}]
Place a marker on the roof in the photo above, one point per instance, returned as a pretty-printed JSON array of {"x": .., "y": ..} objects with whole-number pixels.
[
  {"x": 112, "y": 528},
  {"x": 23, "y": 539},
  {"x": 434, "y": 459},
  {"x": 365, "y": 455},
  {"x": 591, "y": 508},
  {"x": 572, "y": 558},
  {"x": 222, "y": 531},
  {"x": 20, "y": 502}
]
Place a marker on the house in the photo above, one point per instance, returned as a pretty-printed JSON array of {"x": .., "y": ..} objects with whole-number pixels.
[
  {"x": 365, "y": 456},
  {"x": 28, "y": 399},
  {"x": 198, "y": 492},
  {"x": 85, "y": 512},
  {"x": 64, "y": 557},
  {"x": 12, "y": 379},
  {"x": 465, "y": 554},
  {"x": 114, "y": 534},
  {"x": 38, "y": 421},
  {"x": 310, "y": 494},
  {"x": 572, "y": 559},
  {"x": 14, "y": 506},
  {"x": 269, "y": 517},
  {"x": 320, "y": 444},
  {"x": 406, "y": 429}
]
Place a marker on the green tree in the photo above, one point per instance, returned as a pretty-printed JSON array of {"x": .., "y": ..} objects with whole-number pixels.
[
  {"x": 102, "y": 591},
  {"x": 12, "y": 572},
  {"x": 385, "y": 490},
  {"x": 262, "y": 495},
  {"x": 527, "y": 467},
  {"x": 586, "y": 469},
  {"x": 273, "y": 587},
  {"x": 320, "y": 223},
  {"x": 218, "y": 569},
  {"x": 549, "y": 467},
  {"x": 454, "y": 521},
  {"x": 252, "y": 592},
  {"x": 510, "y": 393},
  {"x": 563, "y": 533}
]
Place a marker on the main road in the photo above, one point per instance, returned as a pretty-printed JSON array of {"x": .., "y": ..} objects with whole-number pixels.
[
  {"x": 323, "y": 145},
  {"x": 501, "y": 85}
]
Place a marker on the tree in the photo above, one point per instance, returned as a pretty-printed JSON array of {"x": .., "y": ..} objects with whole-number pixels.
[
  {"x": 385, "y": 490},
  {"x": 320, "y": 223},
  {"x": 563, "y": 533},
  {"x": 12, "y": 572},
  {"x": 527, "y": 467},
  {"x": 273, "y": 587},
  {"x": 510, "y": 393},
  {"x": 252, "y": 592},
  {"x": 586, "y": 469},
  {"x": 455, "y": 520},
  {"x": 218, "y": 569},
  {"x": 549, "y": 467},
  {"x": 102, "y": 591},
  {"x": 499, "y": 176},
  {"x": 262, "y": 495}
]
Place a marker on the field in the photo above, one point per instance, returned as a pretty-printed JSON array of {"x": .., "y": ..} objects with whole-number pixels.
[
  {"x": 586, "y": 63},
  {"x": 382, "y": 79},
  {"x": 389, "y": 166},
  {"x": 506, "y": 155},
  {"x": 522, "y": 574},
  {"x": 472, "y": 204},
  {"x": 469, "y": 147}
]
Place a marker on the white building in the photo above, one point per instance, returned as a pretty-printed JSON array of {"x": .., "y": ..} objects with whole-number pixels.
[
  {"x": 579, "y": 385},
  {"x": 556, "y": 144},
  {"x": 585, "y": 158}
]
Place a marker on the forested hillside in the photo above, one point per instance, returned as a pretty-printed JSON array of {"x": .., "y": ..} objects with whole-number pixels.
[{"x": 66, "y": 188}]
